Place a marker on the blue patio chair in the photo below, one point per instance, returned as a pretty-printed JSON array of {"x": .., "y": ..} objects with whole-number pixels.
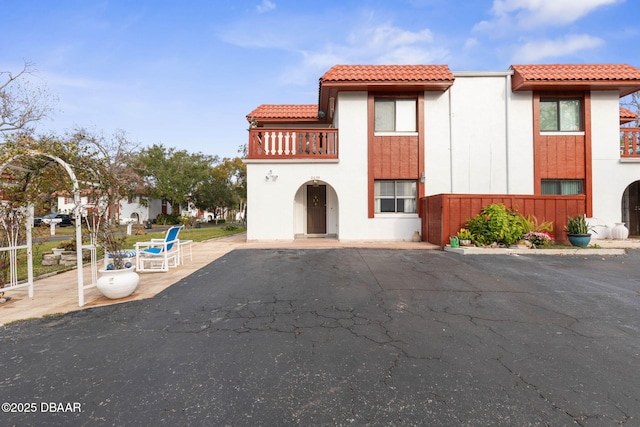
[{"x": 159, "y": 254}]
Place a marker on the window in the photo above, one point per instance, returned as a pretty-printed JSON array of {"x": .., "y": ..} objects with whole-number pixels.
[
  {"x": 560, "y": 115},
  {"x": 395, "y": 196},
  {"x": 562, "y": 186},
  {"x": 395, "y": 115}
]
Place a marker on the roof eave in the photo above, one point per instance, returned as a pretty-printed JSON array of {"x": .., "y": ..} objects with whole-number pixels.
[{"x": 623, "y": 87}]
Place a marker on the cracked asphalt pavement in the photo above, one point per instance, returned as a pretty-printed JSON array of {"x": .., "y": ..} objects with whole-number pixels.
[{"x": 345, "y": 337}]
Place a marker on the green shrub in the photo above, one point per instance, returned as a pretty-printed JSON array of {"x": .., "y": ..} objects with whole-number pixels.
[
  {"x": 166, "y": 219},
  {"x": 530, "y": 224},
  {"x": 496, "y": 224}
]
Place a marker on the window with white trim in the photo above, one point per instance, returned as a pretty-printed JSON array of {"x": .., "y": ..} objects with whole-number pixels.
[
  {"x": 395, "y": 196},
  {"x": 395, "y": 115},
  {"x": 561, "y": 115}
]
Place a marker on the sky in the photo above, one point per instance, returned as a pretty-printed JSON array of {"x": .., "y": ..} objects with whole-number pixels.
[{"x": 185, "y": 73}]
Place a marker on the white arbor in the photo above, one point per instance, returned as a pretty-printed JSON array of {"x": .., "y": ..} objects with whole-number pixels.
[{"x": 12, "y": 232}]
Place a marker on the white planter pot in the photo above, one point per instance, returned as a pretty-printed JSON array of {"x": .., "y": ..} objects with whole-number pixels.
[
  {"x": 116, "y": 284},
  {"x": 619, "y": 231}
]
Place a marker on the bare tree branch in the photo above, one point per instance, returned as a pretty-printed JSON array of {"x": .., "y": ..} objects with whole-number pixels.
[{"x": 22, "y": 103}]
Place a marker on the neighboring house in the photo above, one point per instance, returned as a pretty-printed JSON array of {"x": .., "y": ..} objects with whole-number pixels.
[
  {"x": 382, "y": 140},
  {"x": 126, "y": 208}
]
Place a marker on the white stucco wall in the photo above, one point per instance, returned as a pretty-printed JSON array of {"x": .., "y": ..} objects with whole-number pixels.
[
  {"x": 611, "y": 176},
  {"x": 468, "y": 146}
]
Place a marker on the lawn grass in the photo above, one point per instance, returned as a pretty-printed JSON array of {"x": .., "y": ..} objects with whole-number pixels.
[{"x": 43, "y": 242}]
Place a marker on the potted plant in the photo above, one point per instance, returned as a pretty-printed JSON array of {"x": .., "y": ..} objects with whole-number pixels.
[
  {"x": 464, "y": 237},
  {"x": 119, "y": 279},
  {"x": 578, "y": 230},
  {"x": 106, "y": 168}
]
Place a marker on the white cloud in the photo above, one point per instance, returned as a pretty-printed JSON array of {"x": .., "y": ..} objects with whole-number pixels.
[
  {"x": 470, "y": 43},
  {"x": 536, "y": 51},
  {"x": 529, "y": 14},
  {"x": 265, "y": 6},
  {"x": 383, "y": 44}
]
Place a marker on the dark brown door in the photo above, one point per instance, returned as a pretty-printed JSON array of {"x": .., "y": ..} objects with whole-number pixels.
[
  {"x": 317, "y": 209},
  {"x": 634, "y": 209}
]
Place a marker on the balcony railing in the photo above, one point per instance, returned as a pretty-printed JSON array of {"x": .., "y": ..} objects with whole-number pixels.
[
  {"x": 277, "y": 144},
  {"x": 630, "y": 142}
]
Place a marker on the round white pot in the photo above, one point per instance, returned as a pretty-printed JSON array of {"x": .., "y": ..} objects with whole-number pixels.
[
  {"x": 619, "y": 231},
  {"x": 116, "y": 284}
]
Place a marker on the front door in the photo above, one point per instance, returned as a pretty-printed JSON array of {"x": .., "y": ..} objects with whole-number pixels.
[
  {"x": 634, "y": 208},
  {"x": 317, "y": 209}
]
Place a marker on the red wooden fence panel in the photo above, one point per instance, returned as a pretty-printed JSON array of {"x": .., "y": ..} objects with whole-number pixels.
[{"x": 444, "y": 214}]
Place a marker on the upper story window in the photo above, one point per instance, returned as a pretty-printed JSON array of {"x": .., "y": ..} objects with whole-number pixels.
[
  {"x": 562, "y": 114},
  {"x": 395, "y": 115}
]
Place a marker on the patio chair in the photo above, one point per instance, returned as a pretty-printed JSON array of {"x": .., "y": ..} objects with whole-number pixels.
[
  {"x": 127, "y": 255},
  {"x": 159, "y": 254}
]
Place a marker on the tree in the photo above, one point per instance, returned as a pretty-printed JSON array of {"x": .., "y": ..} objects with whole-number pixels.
[
  {"x": 225, "y": 187},
  {"x": 173, "y": 175},
  {"x": 99, "y": 163},
  {"x": 116, "y": 153},
  {"x": 22, "y": 103}
]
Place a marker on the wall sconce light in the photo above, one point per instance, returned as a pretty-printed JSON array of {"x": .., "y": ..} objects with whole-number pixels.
[
  {"x": 270, "y": 176},
  {"x": 422, "y": 178},
  {"x": 315, "y": 182}
]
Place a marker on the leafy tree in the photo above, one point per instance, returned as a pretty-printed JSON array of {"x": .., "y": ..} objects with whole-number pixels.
[
  {"x": 225, "y": 187},
  {"x": 173, "y": 175},
  {"x": 21, "y": 102}
]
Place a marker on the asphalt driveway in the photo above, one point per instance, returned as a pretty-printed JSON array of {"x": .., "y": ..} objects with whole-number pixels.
[{"x": 344, "y": 337}]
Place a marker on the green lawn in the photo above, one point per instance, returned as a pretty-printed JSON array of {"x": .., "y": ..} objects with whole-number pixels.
[{"x": 44, "y": 242}]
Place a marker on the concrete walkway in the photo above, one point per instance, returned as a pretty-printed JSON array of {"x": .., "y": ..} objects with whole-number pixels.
[{"x": 59, "y": 293}]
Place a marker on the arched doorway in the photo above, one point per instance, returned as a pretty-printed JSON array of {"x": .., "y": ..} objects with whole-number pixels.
[
  {"x": 631, "y": 208},
  {"x": 316, "y": 210}
]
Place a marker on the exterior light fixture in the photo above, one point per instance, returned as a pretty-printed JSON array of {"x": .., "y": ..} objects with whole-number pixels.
[{"x": 270, "y": 176}]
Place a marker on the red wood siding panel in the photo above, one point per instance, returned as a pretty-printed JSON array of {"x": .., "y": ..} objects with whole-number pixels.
[
  {"x": 445, "y": 214},
  {"x": 563, "y": 156},
  {"x": 395, "y": 157},
  {"x": 560, "y": 156}
]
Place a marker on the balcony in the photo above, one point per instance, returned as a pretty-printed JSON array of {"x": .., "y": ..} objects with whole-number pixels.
[
  {"x": 630, "y": 143},
  {"x": 292, "y": 144}
]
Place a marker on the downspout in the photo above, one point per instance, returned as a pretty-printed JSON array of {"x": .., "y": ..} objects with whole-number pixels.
[
  {"x": 450, "y": 144},
  {"x": 507, "y": 103}
]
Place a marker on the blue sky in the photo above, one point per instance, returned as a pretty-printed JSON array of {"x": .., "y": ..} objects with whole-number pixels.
[{"x": 186, "y": 73}]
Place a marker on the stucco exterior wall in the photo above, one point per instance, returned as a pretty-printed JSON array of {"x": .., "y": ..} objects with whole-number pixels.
[
  {"x": 469, "y": 147},
  {"x": 611, "y": 175}
]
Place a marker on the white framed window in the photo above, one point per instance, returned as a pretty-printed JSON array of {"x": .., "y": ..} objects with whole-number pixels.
[
  {"x": 395, "y": 196},
  {"x": 562, "y": 186},
  {"x": 395, "y": 115},
  {"x": 561, "y": 115}
]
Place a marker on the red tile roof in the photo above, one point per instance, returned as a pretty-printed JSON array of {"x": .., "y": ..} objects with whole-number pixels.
[
  {"x": 306, "y": 112},
  {"x": 388, "y": 73},
  {"x": 623, "y": 77},
  {"x": 627, "y": 116}
]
